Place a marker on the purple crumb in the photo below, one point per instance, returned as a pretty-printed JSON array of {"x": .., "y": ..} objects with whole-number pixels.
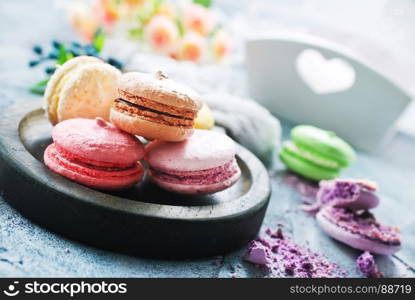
[
  {"x": 282, "y": 257},
  {"x": 367, "y": 265},
  {"x": 258, "y": 254}
]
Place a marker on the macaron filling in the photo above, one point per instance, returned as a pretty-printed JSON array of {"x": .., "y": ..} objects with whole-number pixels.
[
  {"x": 154, "y": 111},
  {"x": 87, "y": 167},
  {"x": 208, "y": 176},
  {"x": 311, "y": 156},
  {"x": 54, "y": 103},
  {"x": 361, "y": 223}
]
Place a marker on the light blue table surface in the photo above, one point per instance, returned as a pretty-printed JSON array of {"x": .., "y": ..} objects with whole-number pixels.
[{"x": 28, "y": 250}]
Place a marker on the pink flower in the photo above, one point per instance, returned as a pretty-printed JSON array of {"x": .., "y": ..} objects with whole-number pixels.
[
  {"x": 192, "y": 47},
  {"x": 221, "y": 45},
  {"x": 162, "y": 34},
  {"x": 198, "y": 18}
]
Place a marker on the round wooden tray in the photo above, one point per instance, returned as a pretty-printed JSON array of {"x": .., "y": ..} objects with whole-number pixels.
[{"x": 143, "y": 220}]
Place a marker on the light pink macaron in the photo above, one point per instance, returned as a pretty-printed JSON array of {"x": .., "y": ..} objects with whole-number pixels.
[
  {"x": 205, "y": 163},
  {"x": 95, "y": 153}
]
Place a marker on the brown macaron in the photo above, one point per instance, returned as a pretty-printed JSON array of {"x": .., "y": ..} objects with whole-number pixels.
[{"x": 155, "y": 107}]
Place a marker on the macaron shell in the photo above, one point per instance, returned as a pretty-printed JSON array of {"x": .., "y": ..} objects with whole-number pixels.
[
  {"x": 305, "y": 168},
  {"x": 158, "y": 87},
  {"x": 150, "y": 130},
  {"x": 354, "y": 240},
  {"x": 89, "y": 92},
  {"x": 354, "y": 194},
  {"x": 366, "y": 200},
  {"x": 194, "y": 189},
  {"x": 53, "y": 87},
  {"x": 87, "y": 139},
  {"x": 324, "y": 142},
  {"x": 205, "y": 149},
  {"x": 92, "y": 177}
]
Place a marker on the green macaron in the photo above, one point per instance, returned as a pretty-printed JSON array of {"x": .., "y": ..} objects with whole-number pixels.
[{"x": 315, "y": 153}]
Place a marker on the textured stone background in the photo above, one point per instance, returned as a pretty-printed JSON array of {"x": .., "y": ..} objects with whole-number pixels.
[{"x": 28, "y": 250}]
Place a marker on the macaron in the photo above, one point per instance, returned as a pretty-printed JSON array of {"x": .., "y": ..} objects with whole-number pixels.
[
  {"x": 205, "y": 163},
  {"x": 155, "y": 107},
  {"x": 204, "y": 119},
  {"x": 316, "y": 154},
  {"x": 83, "y": 87},
  {"x": 95, "y": 153},
  {"x": 359, "y": 229},
  {"x": 354, "y": 194}
]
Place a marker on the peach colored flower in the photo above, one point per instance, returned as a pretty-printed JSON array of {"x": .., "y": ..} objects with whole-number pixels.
[
  {"x": 162, "y": 34},
  {"x": 198, "y": 18},
  {"x": 135, "y": 2},
  {"x": 221, "y": 45},
  {"x": 167, "y": 9},
  {"x": 107, "y": 12},
  {"x": 192, "y": 47},
  {"x": 83, "y": 20}
]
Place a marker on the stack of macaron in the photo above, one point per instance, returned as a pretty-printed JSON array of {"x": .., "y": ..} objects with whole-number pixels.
[
  {"x": 105, "y": 155},
  {"x": 344, "y": 215},
  {"x": 316, "y": 154},
  {"x": 182, "y": 159}
]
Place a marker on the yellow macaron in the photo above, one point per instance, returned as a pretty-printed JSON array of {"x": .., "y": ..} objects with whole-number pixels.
[
  {"x": 83, "y": 87},
  {"x": 204, "y": 119}
]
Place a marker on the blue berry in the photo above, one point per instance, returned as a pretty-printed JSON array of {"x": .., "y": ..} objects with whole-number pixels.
[
  {"x": 50, "y": 70},
  {"x": 76, "y": 45},
  {"x": 53, "y": 55},
  {"x": 115, "y": 62},
  {"x": 56, "y": 44},
  {"x": 33, "y": 63},
  {"x": 75, "y": 52},
  {"x": 37, "y": 49},
  {"x": 91, "y": 50}
]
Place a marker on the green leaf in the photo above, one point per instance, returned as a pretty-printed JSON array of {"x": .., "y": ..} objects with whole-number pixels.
[
  {"x": 69, "y": 56},
  {"x": 98, "y": 40},
  {"x": 156, "y": 5},
  {"x": 180, "y": 27},
  {"x": 62, "y": 55},
  {"x": 39, "y": 88},
  {"x": 205, "y": 3},
  {"x": 136, "y": 32}
]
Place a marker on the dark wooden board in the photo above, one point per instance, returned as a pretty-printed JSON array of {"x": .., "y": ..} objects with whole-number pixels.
[{"x": 143, "y": 220}]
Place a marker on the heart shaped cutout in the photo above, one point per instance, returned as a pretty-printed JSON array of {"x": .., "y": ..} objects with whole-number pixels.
[{"x": 324, "y": 76}]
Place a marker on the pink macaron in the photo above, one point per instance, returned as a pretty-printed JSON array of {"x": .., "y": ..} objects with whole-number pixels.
[
  {"x": 359, "y": 229},
  {"x": 95, "y": 153},
  {"x": 205, "y": 163}
]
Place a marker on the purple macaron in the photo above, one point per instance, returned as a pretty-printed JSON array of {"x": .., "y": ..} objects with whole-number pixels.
[
  {"x": 359, "y": 229},
  {"x": 205, "y": 163},
  {"x": 349, "y": 193}
]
